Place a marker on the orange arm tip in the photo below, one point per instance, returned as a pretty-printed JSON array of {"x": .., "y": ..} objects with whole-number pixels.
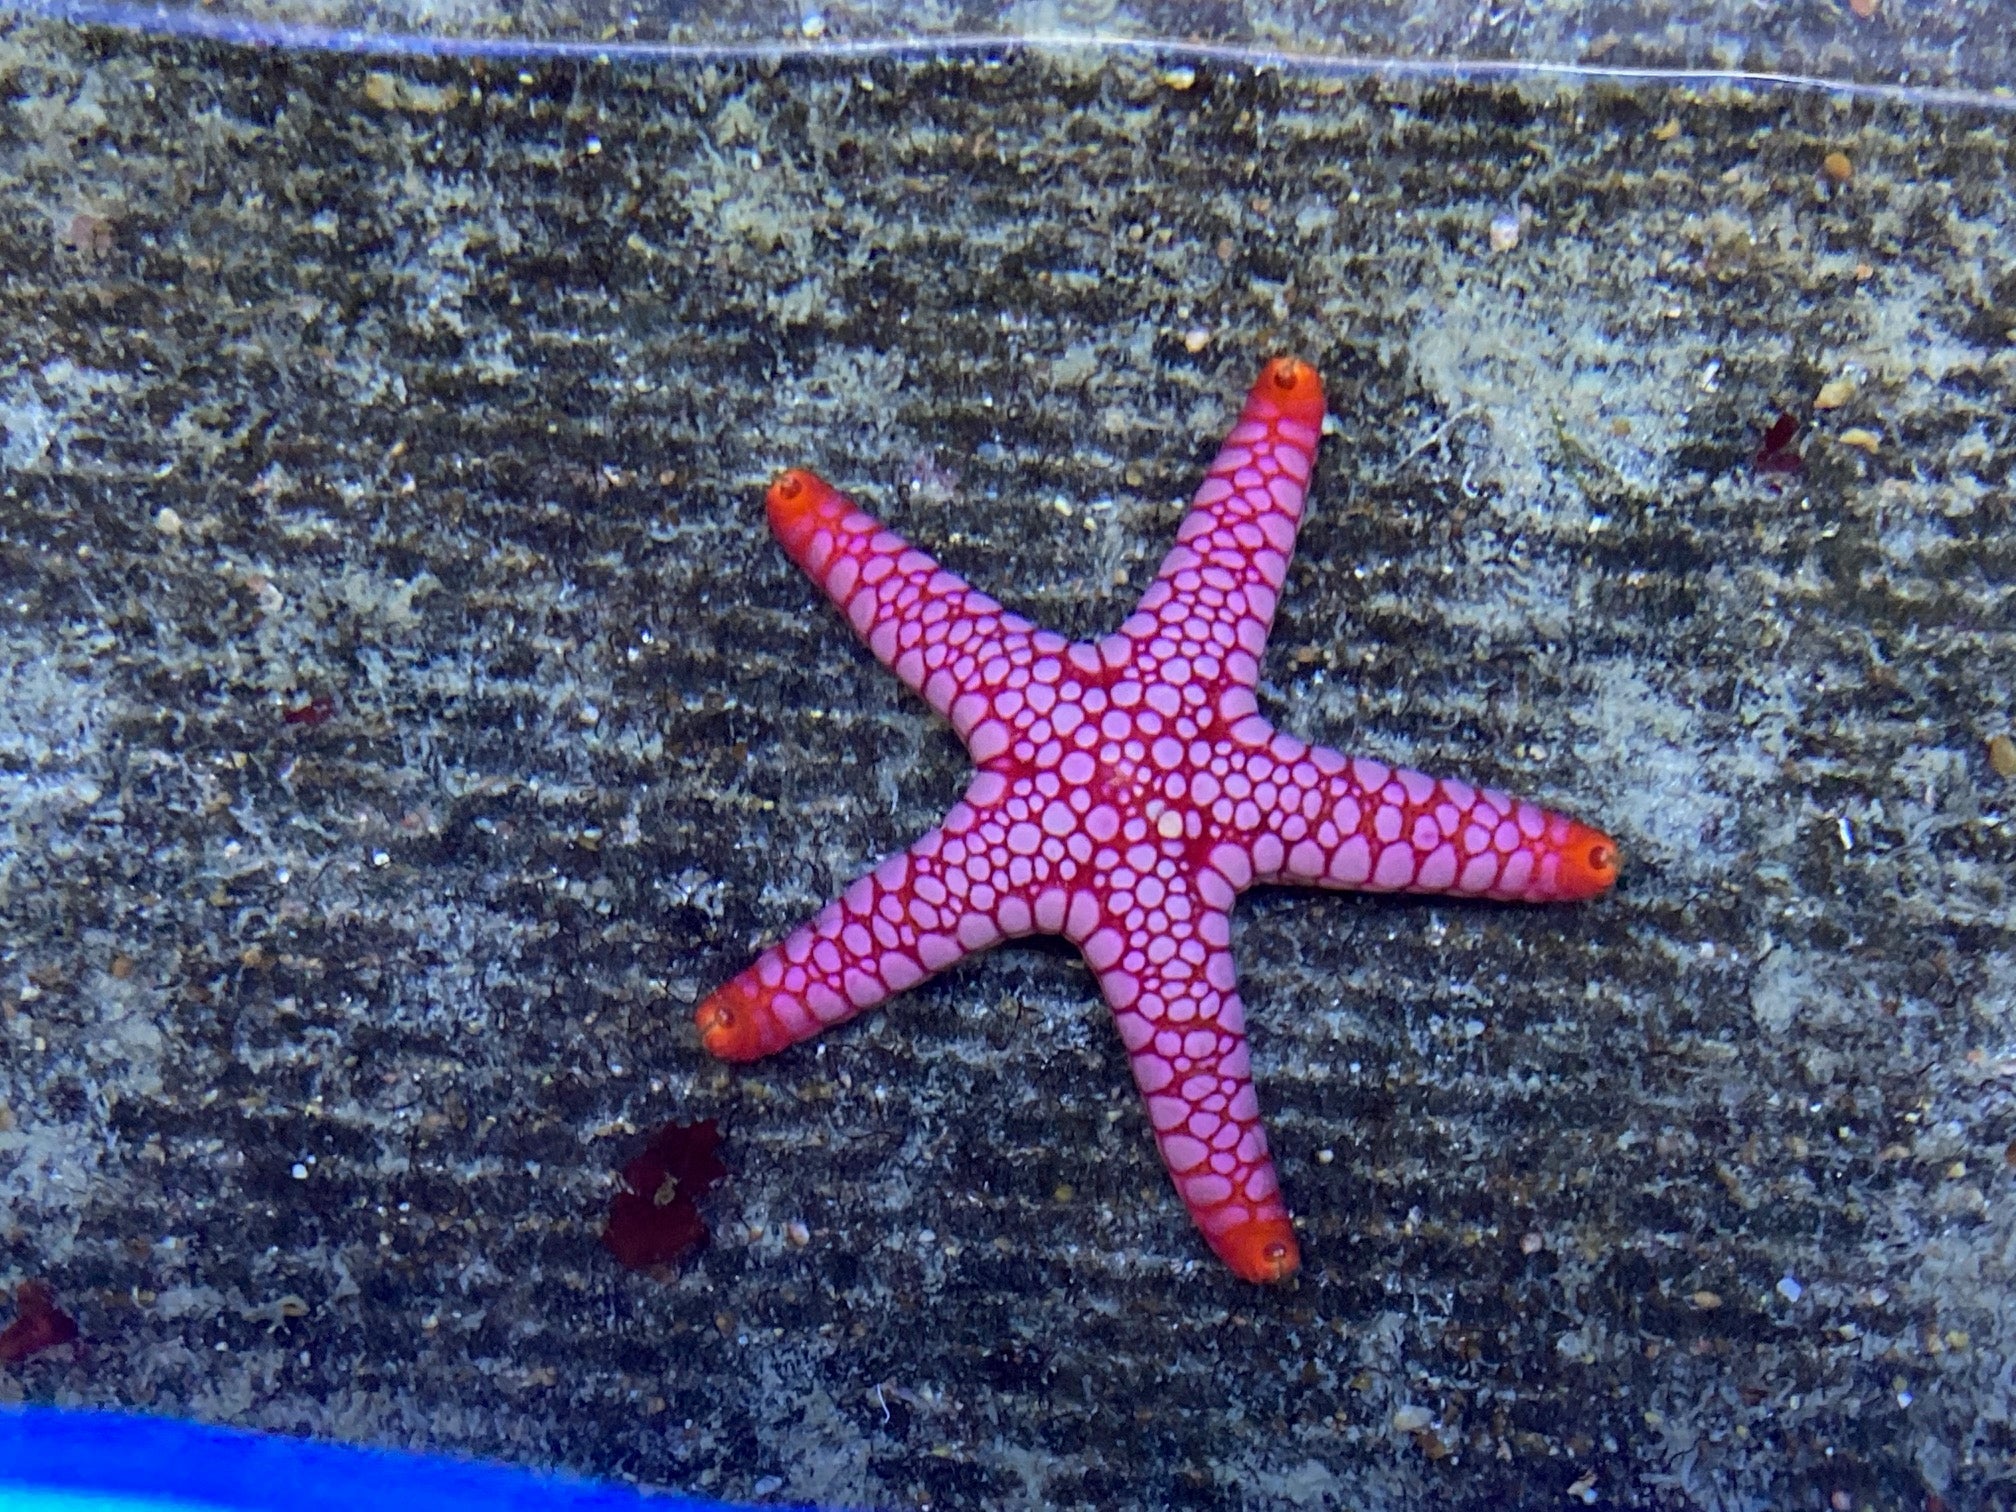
[
  {"x": 797, "y": 502},
  {"x": 1261, "y": 1250},
  {"x": 732, "y": 1021},
  {"x": 1295, "y": 388},
  {"x": 1589, "y": 862}
]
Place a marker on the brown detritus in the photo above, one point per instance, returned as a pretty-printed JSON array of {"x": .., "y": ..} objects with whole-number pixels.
[
  {"x": 2002, "y": 754},
  {"x": 85, "y": 234}
]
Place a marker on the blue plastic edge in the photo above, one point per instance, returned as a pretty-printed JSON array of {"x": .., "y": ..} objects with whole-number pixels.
[{"x": 161, "y": 1459}]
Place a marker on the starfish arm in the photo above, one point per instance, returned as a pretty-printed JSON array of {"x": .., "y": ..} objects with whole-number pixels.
[
  {"x": 1174, "y": 994},
  {"x": 1212, "y": 604},
  {"x": 929, "y": 626},
  {"x": 920, "y": 912},
  {"x": 1311, "y": 816}
]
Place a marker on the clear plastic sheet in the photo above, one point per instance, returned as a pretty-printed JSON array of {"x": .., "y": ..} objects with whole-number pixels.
[{"x": 1952, "y": 52}]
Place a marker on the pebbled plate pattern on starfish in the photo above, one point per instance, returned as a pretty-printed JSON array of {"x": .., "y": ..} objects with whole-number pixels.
[{"x": 1126, "y": 791}]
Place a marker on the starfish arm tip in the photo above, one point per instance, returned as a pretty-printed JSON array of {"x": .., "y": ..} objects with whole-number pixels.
[
  {"x": 1295, "y": 388},
  {"x": 1261, "y": 1250},
  {"x": 794, "y": 503},
  {"x": 1589, "y": 862},
  {"x": 734, "y": 1021}
]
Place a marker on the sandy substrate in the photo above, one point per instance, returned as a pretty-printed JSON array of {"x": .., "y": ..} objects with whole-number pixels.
[{"x": 447, "y": 397}]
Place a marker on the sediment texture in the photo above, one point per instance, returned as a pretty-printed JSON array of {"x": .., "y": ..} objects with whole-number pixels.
[{"x": 447, "y": 397}]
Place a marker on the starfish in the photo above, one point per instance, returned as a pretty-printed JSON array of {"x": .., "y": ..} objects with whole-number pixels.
[{"x": 1126, "y": 791}]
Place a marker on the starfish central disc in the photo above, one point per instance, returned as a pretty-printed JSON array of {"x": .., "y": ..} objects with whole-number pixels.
[{"x": 1125, "y": 792}]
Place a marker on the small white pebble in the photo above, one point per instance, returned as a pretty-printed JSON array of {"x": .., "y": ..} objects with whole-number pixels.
[
  {"x": 797, "y": 1234},
  {"x": 1505, "y": 231},
  {"x": 1411, "y": 1419},
  {"x": 1790, "y": 1289},
  {"x": 167, "y": 521},
  {"x": 813, "y": 27},
  {"x": 299, "y": 1172}
]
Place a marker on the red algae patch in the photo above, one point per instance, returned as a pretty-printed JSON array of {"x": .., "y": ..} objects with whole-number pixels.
[
  {"x": 1779, "y": 452},
  {"x": 655, "y": 1219},
  {"x": 38, "y": 1324}
]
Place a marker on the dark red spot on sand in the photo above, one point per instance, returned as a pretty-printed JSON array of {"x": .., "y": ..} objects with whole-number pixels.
[
  {"x": 654, "y": 1219},
  {"x": 1777, "y": 454},
  {"x": 317, "y": 710},
  {"x": 38, "y": 1324}
]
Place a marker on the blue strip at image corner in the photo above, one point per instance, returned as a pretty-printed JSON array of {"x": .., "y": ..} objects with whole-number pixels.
[{"x": 55, "y": 1460}]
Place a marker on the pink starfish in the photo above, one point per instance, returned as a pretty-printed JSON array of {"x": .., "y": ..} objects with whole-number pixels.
[{"x": 1128, "y": 790}]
